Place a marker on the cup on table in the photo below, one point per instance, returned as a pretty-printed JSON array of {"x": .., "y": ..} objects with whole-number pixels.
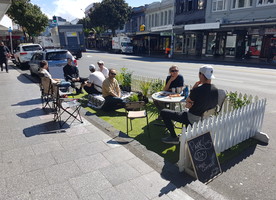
[
  {"x": 178, "y": 90},
  {"x": 173, "y": 90}
]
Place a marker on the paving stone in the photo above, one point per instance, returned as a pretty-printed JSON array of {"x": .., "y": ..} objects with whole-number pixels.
[
  {"x": 72, "y": 142},
  {"x": 94, "y": 196},
  {"x": 130, "y": 191},
  {"x": 61, "y": 191},
  {"x": 111, "y": 194},
  {"x": 164, "y": 197},
  {"x": 119, "y": 173},
  {"x": 90, "y": 183},
  {"x": 3, "y": 188},
  {"x": 63, "y": 156},
  {"x": 26, "y": 182},
  {"x": 152, "y": 185},
  {"x": 10, "y": 169},
  {"x": 17, "y": 154},
  {"x": 46, "y": 147},
  {"x": 93, "y": 148},
  {"x": 178, "y": 194},
  {"x": 62, "y": 172},
  {"x": 32, "y": 163},
  {"x": 54, "y": 136},
  {"x": 73, "y": 131},
  {"x": 92, "y": 163},
  {"x": 96, "y": 136},
  {"x": 117, "y": 155},
  {"x": 25, "y": 196},
  {"x": 139, "y": 165}
]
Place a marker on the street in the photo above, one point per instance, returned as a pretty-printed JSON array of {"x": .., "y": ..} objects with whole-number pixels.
[{"x": 252, "y": 175}]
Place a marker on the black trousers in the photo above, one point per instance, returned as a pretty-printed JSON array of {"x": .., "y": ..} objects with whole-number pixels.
[
  {"x": 169, "y": 115},
  {"x": 91, "y": 90},
  {"x": 4, "y": 61},
  {"x": 113, "y": 103}
]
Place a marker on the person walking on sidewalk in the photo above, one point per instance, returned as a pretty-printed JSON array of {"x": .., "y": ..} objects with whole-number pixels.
[
  {"x": 203, "y": 96},
  {"x": 95, "y": 81},
  {"x": 4, "y": 54},
  {"x": 112, "y": 93}
]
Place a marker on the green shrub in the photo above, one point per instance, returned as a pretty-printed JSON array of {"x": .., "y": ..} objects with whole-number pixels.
[
  {"x": 156, "y": 86},
  {"x": 126, "y": 77},
  {"x": 237, "y": 102},
  {"x": 145, "y": 87},
  {"x": 133, "y": 98}
]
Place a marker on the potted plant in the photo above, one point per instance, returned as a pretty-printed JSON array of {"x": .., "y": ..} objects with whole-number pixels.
[
  {"x": 145, "y": 87},
  {"x": 126, "y": 79},
  {"x": 157, "y": 86}
]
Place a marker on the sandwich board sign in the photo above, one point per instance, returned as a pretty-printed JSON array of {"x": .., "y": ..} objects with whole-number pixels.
[{"x": 203, "y": 157}]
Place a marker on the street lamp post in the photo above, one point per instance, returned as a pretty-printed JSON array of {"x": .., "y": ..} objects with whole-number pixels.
[{"x": 10, "y": 32}]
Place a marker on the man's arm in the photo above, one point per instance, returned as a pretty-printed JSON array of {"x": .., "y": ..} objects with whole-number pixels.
[{"x": 189, "y": 103}]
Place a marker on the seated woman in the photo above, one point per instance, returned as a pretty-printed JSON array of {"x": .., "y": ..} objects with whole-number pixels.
[
  {"x": 174, "y": 80},
  {"x": 44, "y": 71}
]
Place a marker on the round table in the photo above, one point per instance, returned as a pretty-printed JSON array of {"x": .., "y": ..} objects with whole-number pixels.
[{"x": 163, "y": 96}]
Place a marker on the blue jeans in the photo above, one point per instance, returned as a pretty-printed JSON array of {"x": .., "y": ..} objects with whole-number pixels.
[{"x": 113, "y": 103}]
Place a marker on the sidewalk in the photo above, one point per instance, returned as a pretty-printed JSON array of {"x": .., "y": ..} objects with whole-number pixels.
[{"x": 39, "y": 162}]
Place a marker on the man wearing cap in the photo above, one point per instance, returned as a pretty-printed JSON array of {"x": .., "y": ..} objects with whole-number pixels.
[
  {"x": 203, "y": 97},
  {"x": 102, "y": 68},
  {"x": 95, "y": 81}
]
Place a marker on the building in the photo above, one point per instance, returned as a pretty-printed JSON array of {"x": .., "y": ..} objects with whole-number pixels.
[{"x": 247, "y": 28}]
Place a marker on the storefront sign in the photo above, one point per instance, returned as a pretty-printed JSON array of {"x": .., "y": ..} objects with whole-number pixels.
[
  {"x": 165, "y": 33},
  {"x": 203, "y": 26},
  {"x": 270, "y": 31},
  {"x": 161, "y": 28},
  {"x": 71, "y": 34}
]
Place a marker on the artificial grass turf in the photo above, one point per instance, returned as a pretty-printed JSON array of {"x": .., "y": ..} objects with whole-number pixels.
[{"x": 153, "y": 143}]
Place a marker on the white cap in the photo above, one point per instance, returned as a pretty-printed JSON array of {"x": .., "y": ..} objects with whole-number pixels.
[
  {"x": 100, "y": 62},
  {"x": 91, "y": 66},
  {"x": 207, "y": 70}
]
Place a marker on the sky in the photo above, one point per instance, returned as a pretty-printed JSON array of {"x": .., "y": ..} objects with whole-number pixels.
[{"x": 72, "y": 9}]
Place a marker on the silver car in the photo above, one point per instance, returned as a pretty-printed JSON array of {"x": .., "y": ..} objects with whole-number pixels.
[{"x": 57, "y": 59}]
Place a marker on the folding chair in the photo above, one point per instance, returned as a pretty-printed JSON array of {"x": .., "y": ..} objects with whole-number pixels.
[
  {"x": 136, "y": 110},
  {"x": 46, "y": 89},
  {"x": 69, "y": 106}
]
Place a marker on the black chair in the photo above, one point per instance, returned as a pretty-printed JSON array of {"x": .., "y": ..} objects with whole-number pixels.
[
  {"x": 136, "y": 110},
  {"x": 69, "y": 106}
]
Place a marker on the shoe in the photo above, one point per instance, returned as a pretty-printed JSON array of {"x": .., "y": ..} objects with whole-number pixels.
[{"x": 170, "y": 140}]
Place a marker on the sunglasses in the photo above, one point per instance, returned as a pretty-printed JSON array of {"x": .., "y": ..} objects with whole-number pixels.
[
  {"x": 113, "y": 74},
  {"x": 174, "y": 70}
]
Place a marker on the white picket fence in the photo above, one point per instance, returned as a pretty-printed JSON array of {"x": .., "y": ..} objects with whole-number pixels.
[{"x": 229, "y": 128}]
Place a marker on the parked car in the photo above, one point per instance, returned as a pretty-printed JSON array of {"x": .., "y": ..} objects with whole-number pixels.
[
  {"x": 24, "y": 53},
  {"x": 57, "y": 59}
]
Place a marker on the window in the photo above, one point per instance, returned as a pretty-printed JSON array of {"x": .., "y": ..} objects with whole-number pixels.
[
  {"x": 218, "y": 5},
  {"x": 170, "y": 17},
  {"x": 241, "y": 4},
  {"x": 265, "y": 2},
  {"x": 149, "y": 21},
  {"x": 200, "y": 5},
  {"x": 156, "y": 19},
  {"x": 162, "y": 19},
  {"x": 166, "y": 18},
  {"x": 190, "y": 5},
  {"x": 152, "y": 20}
]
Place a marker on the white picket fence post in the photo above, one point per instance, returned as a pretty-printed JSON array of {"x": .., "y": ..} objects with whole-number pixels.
[{"x": 228, "y": 129}]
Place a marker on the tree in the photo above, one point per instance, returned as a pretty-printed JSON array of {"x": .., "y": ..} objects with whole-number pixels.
[
  {"x": 110, "y": 14},
  {"x": 28, "y": 16}
]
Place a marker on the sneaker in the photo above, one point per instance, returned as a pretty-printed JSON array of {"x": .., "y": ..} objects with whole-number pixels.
[{"x": 170, "y": 140}]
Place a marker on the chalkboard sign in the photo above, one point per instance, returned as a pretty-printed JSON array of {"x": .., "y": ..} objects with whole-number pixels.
[{"x": 204, "y": 158}]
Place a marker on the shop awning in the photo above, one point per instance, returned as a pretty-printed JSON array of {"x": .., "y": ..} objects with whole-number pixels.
[{"x": 202, "y": 26}]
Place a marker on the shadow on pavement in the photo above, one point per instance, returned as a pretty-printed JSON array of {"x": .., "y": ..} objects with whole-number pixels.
[
  {"x": 50, "y": 127},
  {"x": 28, "y": 102}
]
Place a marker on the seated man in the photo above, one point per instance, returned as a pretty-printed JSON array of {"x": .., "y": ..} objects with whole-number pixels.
[
  {"x": 95, "y": 81},
  {"x": 203, "y": 97},
  {"x": 71, "y": 74},
  {"x": 112, "y": 93}
]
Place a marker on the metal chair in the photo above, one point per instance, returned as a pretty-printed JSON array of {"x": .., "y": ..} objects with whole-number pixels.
[
  {"x": 216, "y": 110},
  {"x": 135, "y": 110},
  {"x": 69, "y": 106}
]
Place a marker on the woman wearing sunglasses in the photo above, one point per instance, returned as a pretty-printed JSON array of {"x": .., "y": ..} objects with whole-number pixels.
[{"x": 174, "y": 80}]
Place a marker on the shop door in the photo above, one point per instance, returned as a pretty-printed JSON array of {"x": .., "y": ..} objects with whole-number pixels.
[
  {"x": 219, "y": 48},
  {"x": 189, "y": 46}
]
